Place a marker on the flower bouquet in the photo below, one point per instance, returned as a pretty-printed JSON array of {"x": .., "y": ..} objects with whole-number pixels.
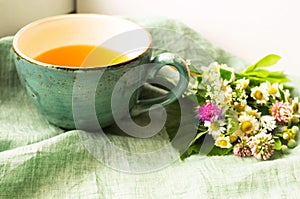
[{"x": 248, "y": 113}]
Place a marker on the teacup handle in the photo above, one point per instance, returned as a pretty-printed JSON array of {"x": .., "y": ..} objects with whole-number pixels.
[{"x": 162, "y": 60}]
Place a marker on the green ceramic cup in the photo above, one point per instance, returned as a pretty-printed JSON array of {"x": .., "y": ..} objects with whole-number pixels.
[{"x": 74, "y": 97}]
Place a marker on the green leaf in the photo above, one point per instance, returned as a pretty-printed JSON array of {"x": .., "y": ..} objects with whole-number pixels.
[
  {"x": 282, "y": 95},
  {"x": 259, "y": 73},
  {"x": 265, "y": 75},
  {"x": 268, "y": 60},
  {"x": 201, "y": 96},
  {"x": 199, "y": 79},
  {"x": 200, "y": 99},
  {"x": 194, "y": 149},
  {"x": 256, "y": 80},
  {"x": 277, "y": 74},
  {"x": 277, "y": 144},
  {"x": 265, "y": 110},
  {"x": 277, "y": 80},
  {"x": 249, "y": 69},
  {"x": 197, "y": 137},
  {"x": 219, "y": 151},
  {"x": 225, "y": 74},
  {"x": 194, "y": 71}
]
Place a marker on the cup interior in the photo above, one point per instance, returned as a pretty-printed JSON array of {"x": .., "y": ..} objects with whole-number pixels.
[{"x": 111, "y": 32}]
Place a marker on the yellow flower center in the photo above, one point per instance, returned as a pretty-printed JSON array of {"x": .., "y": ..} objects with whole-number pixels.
[
  {"x": 272, "y": 91},
  {"x": 246, "y": 126},
  {"x": 222, "y": 143},
  {"x": 240, "y": 107},
  {"x": 295, "y": 119},
  {"x": 253, "y": 113},
  {"x": 245, "y": 85},
  {"x": 233, "y": 138},
  {"x": 296, "y": 107},
  {"x": 258, "y": 95},
  {"x": 215, "y": 126},
  {"x": 291, "y": 134}
]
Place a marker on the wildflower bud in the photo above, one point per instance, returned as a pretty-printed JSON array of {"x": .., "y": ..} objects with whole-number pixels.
[
  {"x": 284, "y": 149},
  {"x": 295, "y": 129},
  {"x": 295, "y": 119},
  {"x": 292, "y": 143},
  {"x": 233, "y": 138},
  {"x": 292, "y": 135},
  {"x": 285, "y": 136}
]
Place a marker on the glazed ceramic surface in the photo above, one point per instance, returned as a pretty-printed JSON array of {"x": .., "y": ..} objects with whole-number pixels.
[{"x": 72, "y": 97}]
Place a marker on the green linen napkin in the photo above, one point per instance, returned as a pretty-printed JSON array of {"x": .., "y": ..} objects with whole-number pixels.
[{"x": 38, "y": 160}]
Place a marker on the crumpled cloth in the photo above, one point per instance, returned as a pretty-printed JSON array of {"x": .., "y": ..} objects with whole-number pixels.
[{"x": 39, "y": 160}]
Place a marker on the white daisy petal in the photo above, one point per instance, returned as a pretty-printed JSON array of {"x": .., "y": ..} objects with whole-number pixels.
[{"x": 260, "y": 94}]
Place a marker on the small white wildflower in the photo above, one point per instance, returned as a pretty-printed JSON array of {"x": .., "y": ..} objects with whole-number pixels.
[
  {"x": 268, "y": 122},
  {"x": 242, "y": 84},
  {"x": 273, "y": 89},
  {"x": 211, "y": 73},
  {"x": 240, "y": 106},
  {"x": 243, "y": 96},
  {"x": 223, "y": 142},
  {"x": 228, "y": 93},
  {"x": 217, "y": 85},
  {"x": 260, "y": 94},
  {"x": 253, "y": 112},
  {"x": 223, "y": 96},
  {"x": 215, "y": 128},
  {"x": 248, "y": 124}
]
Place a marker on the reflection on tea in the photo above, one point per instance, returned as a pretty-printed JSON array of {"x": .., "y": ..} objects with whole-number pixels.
[{"x": 81, "y": 56}]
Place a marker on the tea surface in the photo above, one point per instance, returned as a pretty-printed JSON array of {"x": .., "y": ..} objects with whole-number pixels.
[{"x": 81, "y": 56}]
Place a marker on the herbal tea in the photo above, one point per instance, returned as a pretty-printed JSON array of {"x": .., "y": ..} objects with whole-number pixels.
[{"x": 81, "y": 56}]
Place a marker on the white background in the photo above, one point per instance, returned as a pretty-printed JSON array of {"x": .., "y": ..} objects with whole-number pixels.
[{"x": 249, "y": 29}]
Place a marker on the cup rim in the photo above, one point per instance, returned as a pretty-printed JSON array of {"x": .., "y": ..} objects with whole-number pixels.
[{"x": 74, "y": 15}]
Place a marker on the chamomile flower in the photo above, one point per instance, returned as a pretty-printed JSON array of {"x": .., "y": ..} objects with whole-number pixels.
[
  {"x": 242, "y": 84},
  {"x": 240, "y": 106},
  {"x": 252, "y": 112},
  {"x": 273, "y": 89},
  {"x": 268, "y": 122},
  {"x": 260, "y": 94},
  {"x": 248, "y": 124},
  {"x": 223, "y": 142},
  {"x": 215, "y": 128}
]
